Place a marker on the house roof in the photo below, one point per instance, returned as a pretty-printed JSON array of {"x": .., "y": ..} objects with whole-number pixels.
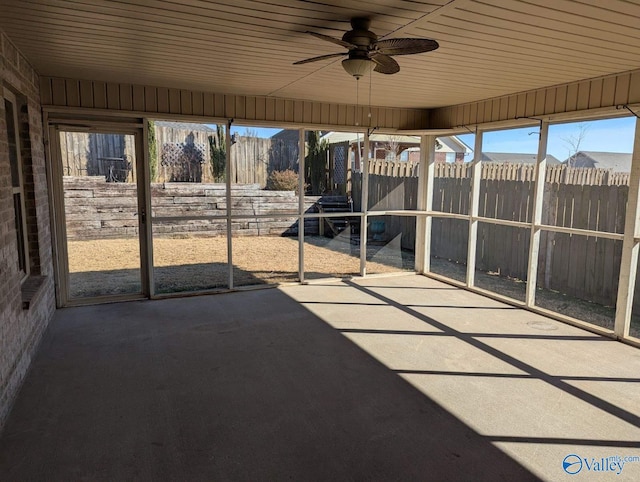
[
  {"x": 616, "y": 161},
  {"x": 515, "y": 157},
  {"x": 487, "y": 49},
  {"x": 453, "y": 144}
]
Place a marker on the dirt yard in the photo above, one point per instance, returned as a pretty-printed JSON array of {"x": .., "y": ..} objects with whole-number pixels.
[
  {"x": 584, "y": 310},
  {"x": 111, "y": 266}
]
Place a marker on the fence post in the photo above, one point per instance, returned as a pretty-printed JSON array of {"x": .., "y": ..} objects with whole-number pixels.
[
  {"x": 424, "y": 203},
  {"x": 538, "y": 199},
  {"x": 629, "y": 263},
  {"x": 473, "y": 209}
]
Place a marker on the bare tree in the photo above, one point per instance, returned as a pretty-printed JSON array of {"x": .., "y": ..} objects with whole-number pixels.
[
  {"x": 250, "y": 132},
  {"x": 574, "y": 141},
  {"x": 392, "y": 146}
]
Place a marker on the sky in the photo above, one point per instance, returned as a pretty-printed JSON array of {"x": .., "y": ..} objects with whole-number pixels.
[
  {"x": 260, "y": 131},
  {"x": 609, "y": 135}
]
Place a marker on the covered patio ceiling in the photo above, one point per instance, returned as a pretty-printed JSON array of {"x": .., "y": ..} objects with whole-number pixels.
[{"x": 487, "y": 48}]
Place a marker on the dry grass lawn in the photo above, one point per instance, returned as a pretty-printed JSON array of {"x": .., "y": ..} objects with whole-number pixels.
[{"x": 110, "y": 266}]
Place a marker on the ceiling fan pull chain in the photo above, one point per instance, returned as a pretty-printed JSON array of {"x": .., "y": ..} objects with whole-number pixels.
[
  {"x": 370, "y": 84},
  {"x": 357, "y": 100}
]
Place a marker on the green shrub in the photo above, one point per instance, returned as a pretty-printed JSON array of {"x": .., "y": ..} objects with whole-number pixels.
[
  {"x": 316, "y": 163},
  {"x": 283, "y": 181},
  {"x": 218, "y": 150},
  {"x": 153, "y": 150}
]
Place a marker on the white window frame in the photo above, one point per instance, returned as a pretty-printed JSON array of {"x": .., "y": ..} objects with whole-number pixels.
[
  {"x": 630, "y": 238},
  {"x": 19, "y": 208}
]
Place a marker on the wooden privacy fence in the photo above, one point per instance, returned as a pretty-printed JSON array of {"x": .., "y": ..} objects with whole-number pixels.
[
  {"x": 253, "y": 158},
  {"x": 393, "y": 168},
  {"x": 387, "y": 193},
  {"x": 183, "y": 155},
  {"x": 94, "y": 154},
  {"x": 183, "y": 152},
  {"x": 586, "y": 267},
  {"x": 504, "y": 171}
]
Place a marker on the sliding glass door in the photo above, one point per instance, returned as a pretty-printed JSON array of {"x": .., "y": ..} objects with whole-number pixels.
[{"x": 102, "y": 215}]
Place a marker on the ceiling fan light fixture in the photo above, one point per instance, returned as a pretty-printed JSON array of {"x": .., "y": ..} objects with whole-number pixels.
[
  {"x": 356, "y": 67},
  {"x": 365, "y": 49}
]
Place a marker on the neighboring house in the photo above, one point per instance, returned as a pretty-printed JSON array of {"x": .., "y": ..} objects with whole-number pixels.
[
  {"x": 382, "y": 146},
  {"x": 616, "y": 161},
  {"x": 451, "y": 149},
  {"x": 516, "y": 158},
  {"x": 398, "y": 147}
]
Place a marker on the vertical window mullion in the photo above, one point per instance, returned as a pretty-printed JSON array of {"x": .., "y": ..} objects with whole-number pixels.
[
  {"x": 630, "y": 247},
  {"x": 364, "y": 203},
  {"x": 424, "y": 203},
  {"x": 301, "y": 171},
  {"x": 229, "y": 176},
  {"x": 536, "y": 219},
  {"x": 473, "y": 209}
]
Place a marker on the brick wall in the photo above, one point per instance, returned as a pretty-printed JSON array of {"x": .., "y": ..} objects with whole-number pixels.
[
  {"x": 442, "y": 157},
  {"x": 21, "y": 329}
]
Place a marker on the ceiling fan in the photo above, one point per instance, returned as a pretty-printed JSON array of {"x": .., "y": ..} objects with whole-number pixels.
[{"x": 365, "y": 48}]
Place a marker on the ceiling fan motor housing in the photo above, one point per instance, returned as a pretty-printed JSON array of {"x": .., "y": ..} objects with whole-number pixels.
[
  {"x": 360, "y": 36},
  {"x": 364, "y": 49}
]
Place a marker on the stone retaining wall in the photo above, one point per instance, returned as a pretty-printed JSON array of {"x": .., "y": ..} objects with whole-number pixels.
[{"x": 96, "y": 209}]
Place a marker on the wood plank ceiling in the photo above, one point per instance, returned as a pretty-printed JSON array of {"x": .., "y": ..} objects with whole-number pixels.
[{"x": 487, "y": 47}]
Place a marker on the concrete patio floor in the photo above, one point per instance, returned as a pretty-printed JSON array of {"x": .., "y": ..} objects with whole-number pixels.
[{"x": 390, "y": 378}]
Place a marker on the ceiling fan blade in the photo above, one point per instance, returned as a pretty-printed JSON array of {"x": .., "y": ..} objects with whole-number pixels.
[
  {"x": 385, "y": 64},
  {"x": 405, "y": 46},
  {"x": 332, "y": 40},
  {"x": 320, "y": 57}
]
